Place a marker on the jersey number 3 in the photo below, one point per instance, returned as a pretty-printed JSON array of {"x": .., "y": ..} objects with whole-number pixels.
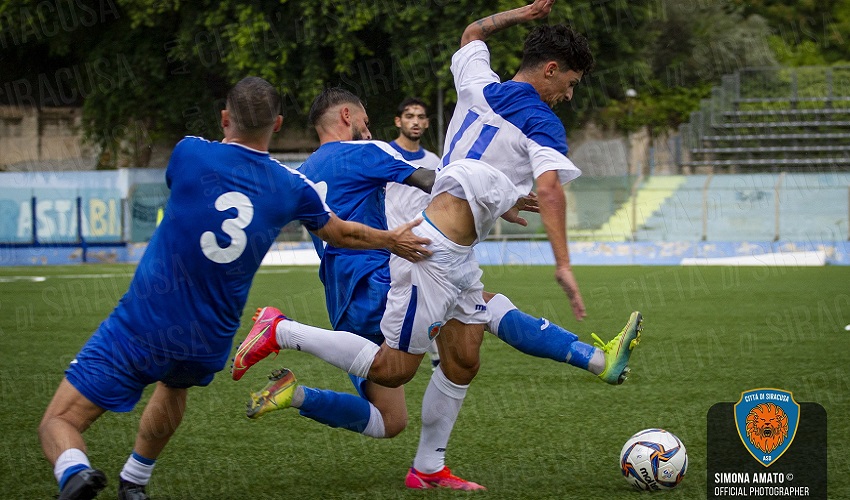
[{"x": 231, "y": 227}]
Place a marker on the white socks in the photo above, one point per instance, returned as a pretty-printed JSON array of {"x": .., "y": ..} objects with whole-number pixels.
[
  {"x": 297, "y": 397},
  {"x": 344, "y": 350},
  {"x": 68, "y": 458},
  {"x": 596, "y": 365},
  {"x": 440, "y": 407},
  {"x": 375, "y": 427},
  {"x": 498, "y": 306},
  {"x": 138, "y": 469}
]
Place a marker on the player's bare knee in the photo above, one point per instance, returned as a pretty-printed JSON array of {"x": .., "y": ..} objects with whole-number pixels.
[
  {"x": 62, "y": 418},
  {"x": 463, "y": 377},
  {"x": 461, "y": 371},
  {"x": 389, "y": 378},
  {"x": 392, "y": 368},
  {"x": 469, "y": 364},
  {"x": 44, "y": 426},
  {"x": 395, "y": 430},
  {"x": 394, "y": 424}
]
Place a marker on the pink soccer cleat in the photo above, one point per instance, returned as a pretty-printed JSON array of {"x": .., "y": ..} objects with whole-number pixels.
[
  {"x": 442, "y": 479},
  {"x": 259, "y": 343}
]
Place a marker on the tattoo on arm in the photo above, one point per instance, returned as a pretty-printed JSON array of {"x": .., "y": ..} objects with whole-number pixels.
[{"x": 496, "y": 22}]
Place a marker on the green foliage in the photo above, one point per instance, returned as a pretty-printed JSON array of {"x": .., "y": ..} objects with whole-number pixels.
[
  {"x": 705, "y": 40},
  {"x": 805, "y": 53},
  {"x": 690, "y": 46},
  {"x": 662, "y": 109},
  {"x": 158, "y": 69},
  {"x": 806, "y": 31}
]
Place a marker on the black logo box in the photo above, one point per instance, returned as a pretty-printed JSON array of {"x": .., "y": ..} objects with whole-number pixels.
[{"x": 803, "y": 465}]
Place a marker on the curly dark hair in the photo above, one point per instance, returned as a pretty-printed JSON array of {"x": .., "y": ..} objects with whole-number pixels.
[{"x": 557, "y": 43}]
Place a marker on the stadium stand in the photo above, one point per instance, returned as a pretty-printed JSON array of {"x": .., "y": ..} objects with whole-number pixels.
[
  {"x": 630, "y": 213},
  {"x": 592, "y": 202},
  {"x": 772, "y": 120},
  {"x": 679, "y": 217},
  {"x": 756, "y": 207}
]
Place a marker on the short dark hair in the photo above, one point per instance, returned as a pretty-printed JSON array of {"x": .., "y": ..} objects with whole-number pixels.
[
  {"x": 557, "y": 43},
  {"x": 329, "y": 98},
  {"x": 254, "y": 105},
  {"x": 410, "y": 101}
]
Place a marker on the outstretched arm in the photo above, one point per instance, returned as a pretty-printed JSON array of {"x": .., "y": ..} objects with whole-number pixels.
[
  {"x": 421, "y": 178},
  {"x": 400, "y": 241},
  {"x": 553, "y": 209},
  {"x": 483, "y": 28}
]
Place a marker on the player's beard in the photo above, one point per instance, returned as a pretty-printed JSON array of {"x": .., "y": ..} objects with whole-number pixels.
[
  {"x": 412, "y": 136},
  {"x": 356, "y": 135}
]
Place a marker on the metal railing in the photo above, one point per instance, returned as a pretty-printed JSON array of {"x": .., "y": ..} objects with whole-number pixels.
[
  {"x": 766, "y": 92},
  {"x": 754, "y": 207},
  {"x": 767, "y": 207}
]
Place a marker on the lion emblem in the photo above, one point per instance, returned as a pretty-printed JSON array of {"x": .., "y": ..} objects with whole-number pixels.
[{"x": 767, "y": 427}]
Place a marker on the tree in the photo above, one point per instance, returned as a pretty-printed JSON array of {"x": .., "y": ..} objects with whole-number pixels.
[
  {"x": 693, "y": 43},
  {"x": 155, "y": 70},
  {"x": 805, "y": 32}
]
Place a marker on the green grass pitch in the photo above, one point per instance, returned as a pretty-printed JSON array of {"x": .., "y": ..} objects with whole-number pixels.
[{"x": 529, "y": 428}]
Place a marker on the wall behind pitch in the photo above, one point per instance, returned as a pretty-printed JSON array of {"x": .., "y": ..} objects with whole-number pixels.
[{"x": 101, "y": 194}]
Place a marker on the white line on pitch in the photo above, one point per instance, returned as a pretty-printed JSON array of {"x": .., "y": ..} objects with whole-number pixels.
[{"x": 36, "y": 279}]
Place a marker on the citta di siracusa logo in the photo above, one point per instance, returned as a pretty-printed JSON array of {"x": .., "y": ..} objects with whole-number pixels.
[
  {"x": 767, "y": 420},
  {"x": 434, "y": 330}
]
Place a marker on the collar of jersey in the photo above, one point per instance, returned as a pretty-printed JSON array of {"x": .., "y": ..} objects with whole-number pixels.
[
  {"x": 246, "y": 147},
  {"x": 408, "y": 155},
  {"x": 524, "y": 85}
]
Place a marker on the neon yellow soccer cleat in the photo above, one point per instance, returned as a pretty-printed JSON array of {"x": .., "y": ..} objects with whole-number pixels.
[
  {"x": 277, "y": 394},
  {"x": 619, "y": 350}
]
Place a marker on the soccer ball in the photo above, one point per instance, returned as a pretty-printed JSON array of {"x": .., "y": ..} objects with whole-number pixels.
[{"x": 654, "y": 459}]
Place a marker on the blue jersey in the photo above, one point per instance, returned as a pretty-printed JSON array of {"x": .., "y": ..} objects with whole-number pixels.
[
  {"x": 227, "y": 205},
  {"x": 354, "y": 174}
]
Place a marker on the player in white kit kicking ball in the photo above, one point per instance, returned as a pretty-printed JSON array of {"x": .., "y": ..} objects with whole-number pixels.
[{"x": 502, "y": 138}]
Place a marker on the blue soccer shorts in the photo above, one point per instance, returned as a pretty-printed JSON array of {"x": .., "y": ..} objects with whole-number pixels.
[
  {"x": 365, "y": 309},
  {"x": 111, "y": 371},
  {"x": 364, "y": 312}
]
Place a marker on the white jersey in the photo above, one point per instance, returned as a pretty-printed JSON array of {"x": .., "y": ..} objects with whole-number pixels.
[
  {"x": 403, "y": 202},
  {"x": 489, "y": 192},
  {"x": 504, "y": 124}
]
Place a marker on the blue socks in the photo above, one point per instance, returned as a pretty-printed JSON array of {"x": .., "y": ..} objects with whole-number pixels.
[
  {"x": 536, "y": 336},
  {"x": 336, "y": 409},
  {"x": 359, "y": 384}
]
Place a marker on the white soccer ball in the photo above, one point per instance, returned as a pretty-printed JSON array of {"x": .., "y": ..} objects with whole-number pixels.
[{"x": 654, "y": 459}]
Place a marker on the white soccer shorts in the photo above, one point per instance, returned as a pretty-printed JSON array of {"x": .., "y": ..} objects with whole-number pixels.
[{"x": 425, "y": 295}]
